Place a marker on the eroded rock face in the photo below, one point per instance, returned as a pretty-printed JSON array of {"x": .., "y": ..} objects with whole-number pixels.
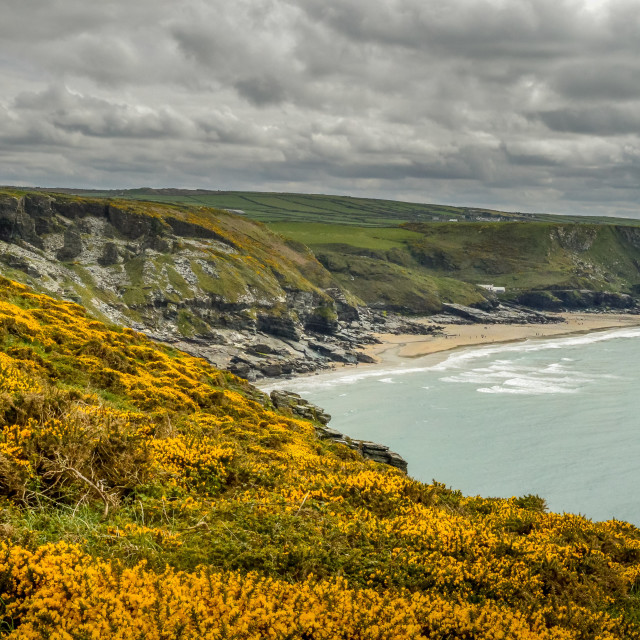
[
  {"x": 15, "y": 223},
  {"x": 278, "y": 325},
  {"x": 132, "y": 226},
  {"x": 322, "y": 320},
  {"x": 572, "y": 299},
  {"x": 179, "y": 282},
  {"x": 164, "y": 272}
]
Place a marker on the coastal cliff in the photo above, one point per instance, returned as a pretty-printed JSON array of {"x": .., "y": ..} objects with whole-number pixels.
[
  {"x": 262, "y": 304},
  {"x": 210, "y": 282}
]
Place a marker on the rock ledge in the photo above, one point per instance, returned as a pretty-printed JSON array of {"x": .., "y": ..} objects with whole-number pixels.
[{"x": 305, "y": 409}]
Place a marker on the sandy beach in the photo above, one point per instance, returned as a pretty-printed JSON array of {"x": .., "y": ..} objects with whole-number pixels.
[{"x": 395, "y": 348}]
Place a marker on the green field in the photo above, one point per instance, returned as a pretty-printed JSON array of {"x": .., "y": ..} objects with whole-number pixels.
[
  {"x": 295, "y": 207},
  {"x": 333, "y": 209},
  {"x": 314, "y": 234}
]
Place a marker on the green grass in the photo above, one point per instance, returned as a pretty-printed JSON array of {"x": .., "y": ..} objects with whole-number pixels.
[
  {"x": 334, "y": 209},
  {"x": 318, "y": 234},
  {"x": 296, "y": 207}
]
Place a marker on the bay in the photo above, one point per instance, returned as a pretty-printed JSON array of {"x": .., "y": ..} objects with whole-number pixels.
[{"x": 555, "y": 417}]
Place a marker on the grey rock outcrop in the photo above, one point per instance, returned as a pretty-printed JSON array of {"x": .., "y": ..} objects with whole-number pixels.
[
  {"x": 346, "y": 311},
  {"x": 368, "y": 450},
  {"x": 501, "y": 315},
  {"x": 72, "y": 247},
  {"x": 572, "y": 299},
  {"x": 109, "y": 255},
  {"x": 298, "y": 406}
]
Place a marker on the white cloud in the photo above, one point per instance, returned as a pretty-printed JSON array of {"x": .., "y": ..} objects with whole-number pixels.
[{"x": 466, "y": 101}]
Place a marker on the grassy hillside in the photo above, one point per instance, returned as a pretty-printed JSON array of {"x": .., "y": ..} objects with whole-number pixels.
[
  {"x": 195, "y": 269},
  {"x": 376, "y": 265},
  {"x": 418, "y": 266},
  {"x": 334, "y": 209},
  {"x": 146, "y": 494},
  {"x": 298, "y": 207},
  {"x": 534, "y": 255}
]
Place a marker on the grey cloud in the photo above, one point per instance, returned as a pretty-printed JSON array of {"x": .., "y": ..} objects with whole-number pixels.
[
  {"x": 261, "y": 90},
  {"x": 524, "y": 29},
  {"x": 612, "y": 80},
  {"x": 601, "y": 120},
  {"x": 91, "y": 116},
  {"x": 526, "y": 104}
]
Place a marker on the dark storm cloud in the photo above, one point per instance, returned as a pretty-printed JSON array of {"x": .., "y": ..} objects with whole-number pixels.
[
  {"x": 600, "y": 120},
  {"x": 519, "y": 104},
  {"x": 593, "y": 80}
]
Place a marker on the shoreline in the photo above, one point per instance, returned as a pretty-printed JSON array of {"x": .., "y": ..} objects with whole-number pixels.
[{"x": 396, "y": 349}]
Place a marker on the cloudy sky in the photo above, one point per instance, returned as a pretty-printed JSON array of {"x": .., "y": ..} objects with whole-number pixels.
[{"x": 527, "y": 105}]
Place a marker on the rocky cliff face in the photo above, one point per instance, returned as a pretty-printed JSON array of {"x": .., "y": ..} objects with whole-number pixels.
[
  {"x": 577, "y": 299},
  {"x": 158, "y": 267},
  {"x": 213, "y": 283}
]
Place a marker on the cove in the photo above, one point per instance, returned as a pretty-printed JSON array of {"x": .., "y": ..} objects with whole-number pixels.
[{"x": 553, "y": 417}]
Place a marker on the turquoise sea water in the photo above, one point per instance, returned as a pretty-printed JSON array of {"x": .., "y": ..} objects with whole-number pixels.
[{"x": 555, "y": 417}]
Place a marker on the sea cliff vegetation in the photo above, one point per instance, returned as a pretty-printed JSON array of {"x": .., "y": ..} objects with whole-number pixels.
[
  {"x": 183, "y": 267},
  {"x": 146, "y": 494},
  {"x": 418, "y": 266}
]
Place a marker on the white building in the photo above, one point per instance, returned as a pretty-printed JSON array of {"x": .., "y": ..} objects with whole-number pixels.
[{"x": 492, "y": 288}]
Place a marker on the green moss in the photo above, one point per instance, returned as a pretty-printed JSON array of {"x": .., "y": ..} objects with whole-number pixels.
[
  {"x": 135, "y": 270},
  {"x": 179, "y": 283},
  {"x": 190, "y": 325}
]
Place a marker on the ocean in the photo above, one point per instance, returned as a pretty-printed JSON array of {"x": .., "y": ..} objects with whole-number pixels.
[{"x": 558, "y": 417}]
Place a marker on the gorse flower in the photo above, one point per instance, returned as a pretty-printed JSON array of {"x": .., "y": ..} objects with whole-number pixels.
[{"x": 145, "y": 494}]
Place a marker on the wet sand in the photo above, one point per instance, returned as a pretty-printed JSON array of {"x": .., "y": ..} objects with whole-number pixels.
[{"x": 396, "y": 348}]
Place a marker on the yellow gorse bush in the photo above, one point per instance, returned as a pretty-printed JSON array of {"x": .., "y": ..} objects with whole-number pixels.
[
  {"x": 58, "y": 587},
  {"x": 145, "y": 494},
  {"x": 13, "y": 380}
]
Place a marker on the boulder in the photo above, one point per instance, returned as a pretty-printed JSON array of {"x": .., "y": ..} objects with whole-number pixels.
[
  {"x": 72, "y": 246},
  {"x": 109, "y": 255},
  {"x": 278, "y": 325},
  {"x": 271, "y": 369},
  {"x": 299, "y": 406},
  {"x": 334, "y": 353}
]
